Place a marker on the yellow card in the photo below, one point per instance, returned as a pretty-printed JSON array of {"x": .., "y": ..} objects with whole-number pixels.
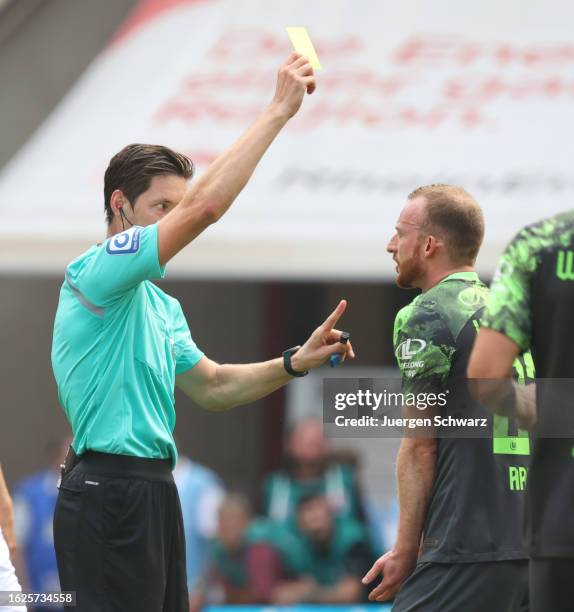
[{"x": 303, "y": 45}]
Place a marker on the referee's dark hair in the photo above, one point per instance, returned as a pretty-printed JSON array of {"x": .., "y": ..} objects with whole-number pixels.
[
  {"x": 132, "y": 169},
  {"x": 454, "y": 215}
]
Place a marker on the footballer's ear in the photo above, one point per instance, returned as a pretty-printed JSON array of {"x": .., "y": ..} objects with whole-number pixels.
[{"x": 430, "y": 247}]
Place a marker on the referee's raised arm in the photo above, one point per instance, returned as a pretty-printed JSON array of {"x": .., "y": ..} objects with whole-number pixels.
[{"x": 210, "y": 196}]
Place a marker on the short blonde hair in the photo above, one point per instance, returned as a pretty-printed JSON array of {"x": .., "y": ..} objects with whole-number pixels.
[{"x": 456, "y": 217}]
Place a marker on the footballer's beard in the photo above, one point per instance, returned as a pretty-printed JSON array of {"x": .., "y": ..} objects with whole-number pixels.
[{"x": 409, "y": 271}]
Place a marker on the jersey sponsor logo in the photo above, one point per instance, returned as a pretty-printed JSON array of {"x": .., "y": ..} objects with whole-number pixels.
[
  {"x": 471, "y": 297},
  {"x": 411, "y": 365},
  {"x": 125, "y": 242},
  {"x": 565, "y": 265},
  {"x": 409, "y": 348},
  {"x": 410, "y": 368}
]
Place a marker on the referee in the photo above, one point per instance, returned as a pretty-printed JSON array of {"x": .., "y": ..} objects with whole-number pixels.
[
  {"x": 459, "y": 544},
  {"x": 121, "y": 344},
  {"x": 531, "y": 305}
]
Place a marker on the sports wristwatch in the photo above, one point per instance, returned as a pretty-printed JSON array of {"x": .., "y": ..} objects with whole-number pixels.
[{"x": 287, "y": 362}]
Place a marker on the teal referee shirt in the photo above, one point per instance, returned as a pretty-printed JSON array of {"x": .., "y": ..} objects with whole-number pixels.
[{"x": 119, "y": 342}]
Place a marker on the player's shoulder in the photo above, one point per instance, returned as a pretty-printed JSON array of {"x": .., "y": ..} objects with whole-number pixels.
[
  {"x": 542, "y": 235},
  {"x": 441, "y": 312},
  {"x": 563, "y": 221},
  {"x": 457, "y": 299},
  {"x": 421, "y": 319}
]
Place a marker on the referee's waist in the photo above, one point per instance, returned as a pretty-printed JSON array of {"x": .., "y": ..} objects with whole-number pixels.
[{"x": 125, "y": 465}]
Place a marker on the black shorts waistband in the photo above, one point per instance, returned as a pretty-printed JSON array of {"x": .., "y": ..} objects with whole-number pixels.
[{"x": 125, "y": 465}]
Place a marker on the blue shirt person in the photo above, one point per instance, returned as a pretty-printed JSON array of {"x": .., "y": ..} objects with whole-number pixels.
[
  {"x": 34, "y": 502},
  {"x": 201, "y": 493}
]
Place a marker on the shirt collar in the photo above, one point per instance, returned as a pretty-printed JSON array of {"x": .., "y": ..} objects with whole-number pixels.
[{"x": 467, "y": 276}]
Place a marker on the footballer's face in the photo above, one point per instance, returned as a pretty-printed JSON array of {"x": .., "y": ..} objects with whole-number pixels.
[
  {"x": 163, "y": 194},
  {"x": 407, "y": 244}
]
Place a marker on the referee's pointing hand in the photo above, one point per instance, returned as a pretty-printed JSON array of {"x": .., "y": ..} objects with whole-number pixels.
[{"x": 323, "y": 342}]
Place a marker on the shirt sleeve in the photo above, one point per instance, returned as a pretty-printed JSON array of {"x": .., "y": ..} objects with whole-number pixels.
[
  {"x": 119, "y": 265},
  {"x": 187, "y": 355},
  {"x": 508, "y": 308},
  {"x": 424, "y": 348}
]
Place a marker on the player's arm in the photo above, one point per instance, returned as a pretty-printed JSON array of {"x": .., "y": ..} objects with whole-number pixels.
[
  {"x": 416, "y": 466},
  {"x": 7, "y": 515},
  {"x": 504, "y": 335},
  {"x": 222, "y": 386},
  {"x": 214, "y": 192},
  {"x": 416, "y": 460},
  {"x": 490, "y": 367}
]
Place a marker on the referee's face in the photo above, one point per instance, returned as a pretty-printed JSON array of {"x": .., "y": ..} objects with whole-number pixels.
[
  {"x": 163, "y": 195},
  {"x": 406, "y": 245}
]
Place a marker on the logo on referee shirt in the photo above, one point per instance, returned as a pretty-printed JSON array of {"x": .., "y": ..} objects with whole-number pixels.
[
  {"x": 409, "y": 348},
  {"x": 125, "y": 242}
]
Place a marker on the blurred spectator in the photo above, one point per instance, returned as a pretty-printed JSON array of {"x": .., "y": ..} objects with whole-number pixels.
[
  {"x": 309, "y": 471},
  {"x": 330, "y": 555},
  {"x": 320, "y": 560},
  {"x": 34, "y": 502},
  {"x": 200, "y": 494},
  {"x": 247, "y": 563}
]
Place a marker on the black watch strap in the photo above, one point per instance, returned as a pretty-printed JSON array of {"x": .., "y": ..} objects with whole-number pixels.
[{"x": 287, "y": 362}]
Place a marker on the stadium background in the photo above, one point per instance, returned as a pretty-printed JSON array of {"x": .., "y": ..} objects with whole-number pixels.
[{"x": 418, "y": 94}]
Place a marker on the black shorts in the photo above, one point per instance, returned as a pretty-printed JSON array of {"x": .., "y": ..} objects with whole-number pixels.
[
  {"x": 118, "y": 535},
  {"x": 494, "y": 586},
  {"x": 552, "y": 585}
]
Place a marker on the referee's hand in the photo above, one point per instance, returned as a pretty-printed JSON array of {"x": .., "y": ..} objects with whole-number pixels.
[
  {"x": 295, "y": 77},
  {"x": 323, "y": 343}
]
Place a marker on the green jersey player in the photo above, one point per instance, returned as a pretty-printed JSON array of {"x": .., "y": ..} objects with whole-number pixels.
[
  {"x": 459, "y": 544},
  {"x": 531, "y": 306}
]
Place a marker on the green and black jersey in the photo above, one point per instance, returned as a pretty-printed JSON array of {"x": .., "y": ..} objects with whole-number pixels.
[
  {"x": 476, "y": 507},
  {"x": 532, "y": 303}
]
